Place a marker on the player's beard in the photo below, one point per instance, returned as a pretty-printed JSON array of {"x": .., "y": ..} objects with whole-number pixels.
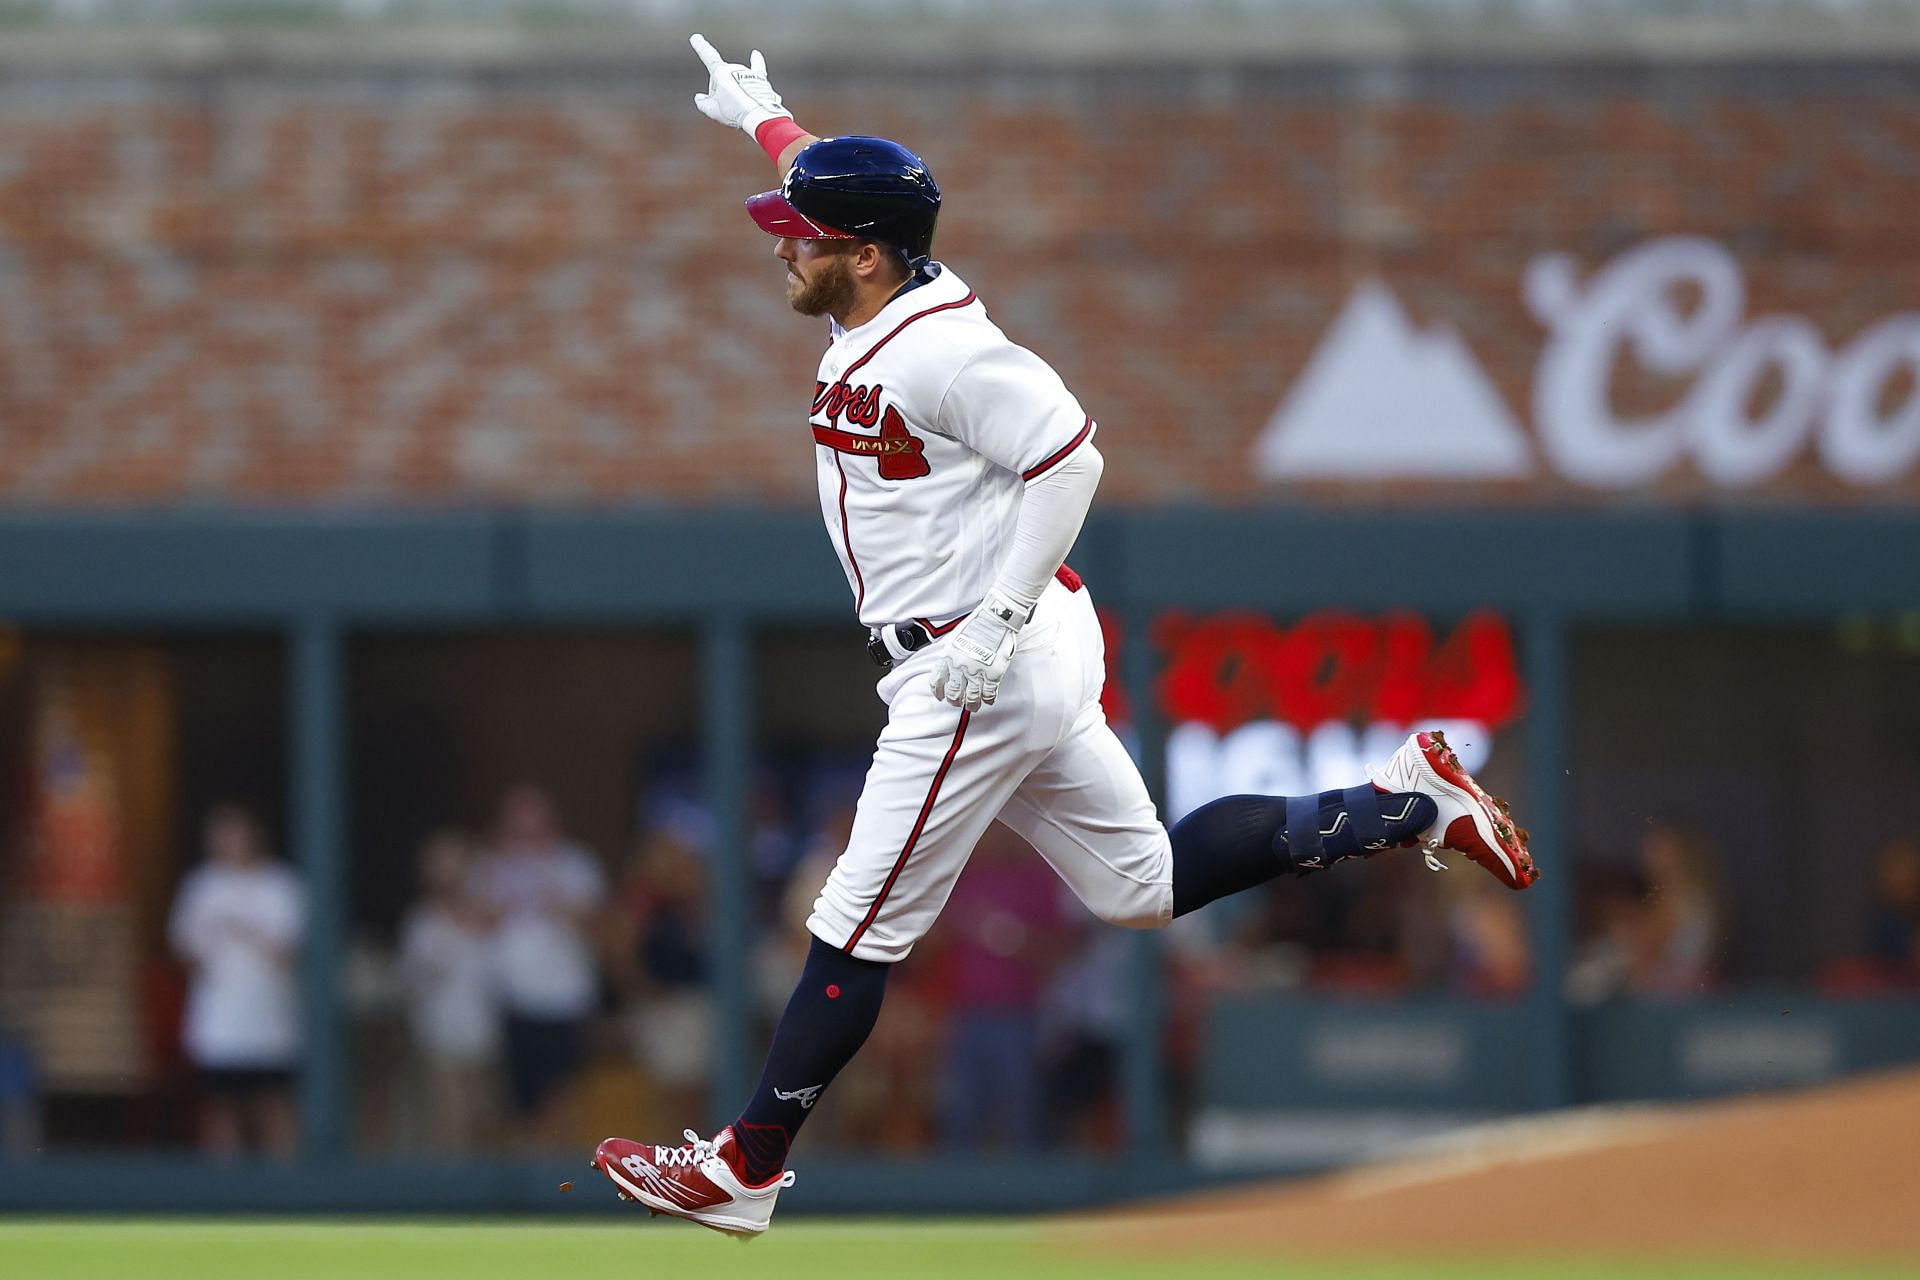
[{"x": 828, "y": 291}]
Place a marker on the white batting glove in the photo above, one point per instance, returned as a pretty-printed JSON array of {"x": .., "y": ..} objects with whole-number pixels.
[
  {"x": 978, "y": 653},
  {"x": 738, "y": 97}
]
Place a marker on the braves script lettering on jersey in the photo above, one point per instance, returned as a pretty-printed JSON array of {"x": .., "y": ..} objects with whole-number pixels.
[
  {"x": 928, "y": 425},
  {"x": 922, "y": 510}
]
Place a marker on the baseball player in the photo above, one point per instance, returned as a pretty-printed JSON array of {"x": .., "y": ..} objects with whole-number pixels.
[{"x": 955, "y": 469}]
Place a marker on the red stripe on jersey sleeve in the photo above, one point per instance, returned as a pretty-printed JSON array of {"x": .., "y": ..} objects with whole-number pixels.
[{"x": 1056, "y": 458}]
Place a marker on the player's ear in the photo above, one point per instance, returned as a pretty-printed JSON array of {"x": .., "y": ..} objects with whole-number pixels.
[{"x": 875, "y": 261}]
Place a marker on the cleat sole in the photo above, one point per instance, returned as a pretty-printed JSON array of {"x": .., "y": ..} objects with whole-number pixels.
[
  {"x": 1513, "y": 840},
  {"x": 632, "y": 1194}
]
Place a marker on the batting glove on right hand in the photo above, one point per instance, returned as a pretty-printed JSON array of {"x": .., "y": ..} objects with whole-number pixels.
[
  {"x": 738, "y": 97},
  {"x": 978, "y": 653}
]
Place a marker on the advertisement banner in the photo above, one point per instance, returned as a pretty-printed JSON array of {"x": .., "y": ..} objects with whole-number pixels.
[
  {"x": 1267, "y": 707},
  {"x": 1747, "y": 400}
]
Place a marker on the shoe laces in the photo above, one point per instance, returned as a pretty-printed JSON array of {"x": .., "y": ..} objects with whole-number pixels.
[{"x": 697, "y": 1152}]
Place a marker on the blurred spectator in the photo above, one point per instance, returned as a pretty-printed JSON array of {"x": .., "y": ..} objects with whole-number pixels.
[
  {"x": 238, "y": 922},
  {"x": 783, "y": 946},
  {"x": 1894, "y": 928},
  {"x": 1651, "y": 931},
  {"x": 1267, "y": 940},
  {"x": 1679, "y": 937},
  {"x": 542, "y": 891},
  {"x": 1083, "y": 1026},
  {"x": 1348, "y": 934},
  {"x": 453, "y": 1009},
  {"x": 1608, "y": 939},
  {"x": 999, "y": 936},
  {"x": 1489, "y": 940},
  {"x": 19, "y": 1099},
  {"x": 1370, "y": 940},
  {"x": 657, "y": 945},
  {"x": 773, "y": 846}
]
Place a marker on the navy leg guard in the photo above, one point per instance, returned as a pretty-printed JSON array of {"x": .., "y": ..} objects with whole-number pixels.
[
  {"x": 1237, "y": 842},
  {"x": 1324, "y": 829}
]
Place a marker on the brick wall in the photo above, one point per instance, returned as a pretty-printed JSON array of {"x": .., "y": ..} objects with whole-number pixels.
[{"x": 539, "y": 286}]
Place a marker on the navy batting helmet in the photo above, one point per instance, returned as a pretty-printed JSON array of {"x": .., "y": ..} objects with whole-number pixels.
[{"x": 855, "y": 189}]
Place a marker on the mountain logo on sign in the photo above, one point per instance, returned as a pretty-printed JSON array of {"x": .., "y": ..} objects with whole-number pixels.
[{"x": 1381, "y": 400}]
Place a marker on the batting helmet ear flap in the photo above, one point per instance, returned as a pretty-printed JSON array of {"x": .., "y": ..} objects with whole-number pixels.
[{"x": 856, "y": 188}]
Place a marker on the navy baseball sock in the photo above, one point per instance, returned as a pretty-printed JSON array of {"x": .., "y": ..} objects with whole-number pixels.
[
  {"x": 1237, "y": 842},
  {"x": 827, "y": 1019}
]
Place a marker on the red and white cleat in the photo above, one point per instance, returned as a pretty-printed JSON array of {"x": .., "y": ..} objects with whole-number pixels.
[
  {"x": 695, "y": 1181},
  {"x": 1471, "y": 821}
]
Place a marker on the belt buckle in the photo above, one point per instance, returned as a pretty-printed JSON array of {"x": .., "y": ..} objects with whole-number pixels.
[{"x": 877, "y": 650}]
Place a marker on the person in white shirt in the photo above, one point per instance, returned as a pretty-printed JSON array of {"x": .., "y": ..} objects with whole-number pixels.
[
  {"x": 453, "y": 1004},
  {"x": 542, "y": 891},
  {"x": 237, "y": 922}
]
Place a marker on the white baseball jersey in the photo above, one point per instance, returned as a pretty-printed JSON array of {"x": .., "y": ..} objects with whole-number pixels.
[{"x": 928, "y": 425}]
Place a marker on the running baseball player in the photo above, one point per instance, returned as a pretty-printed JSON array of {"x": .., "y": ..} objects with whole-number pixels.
[{"x": 955, "y": 469}]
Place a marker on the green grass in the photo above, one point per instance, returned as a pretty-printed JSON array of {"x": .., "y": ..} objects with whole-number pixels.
[{"x": 99, "y": 1249}]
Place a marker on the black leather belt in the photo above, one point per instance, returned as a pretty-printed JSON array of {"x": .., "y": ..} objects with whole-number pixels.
[{"x": 910, "y": 636}]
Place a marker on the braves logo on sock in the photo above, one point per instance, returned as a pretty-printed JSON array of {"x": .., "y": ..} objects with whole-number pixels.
[{"x": 805, "y": 1097}]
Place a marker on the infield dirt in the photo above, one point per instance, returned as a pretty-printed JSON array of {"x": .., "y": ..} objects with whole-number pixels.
[{"x": 1830, "y": 1174}]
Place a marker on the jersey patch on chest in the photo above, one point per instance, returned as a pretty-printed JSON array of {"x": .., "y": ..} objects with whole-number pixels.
[{"x": 900, "y": 454}]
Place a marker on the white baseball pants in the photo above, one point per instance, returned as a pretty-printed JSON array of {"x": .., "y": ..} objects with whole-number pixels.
[{"x": 1041, "y": 759}]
